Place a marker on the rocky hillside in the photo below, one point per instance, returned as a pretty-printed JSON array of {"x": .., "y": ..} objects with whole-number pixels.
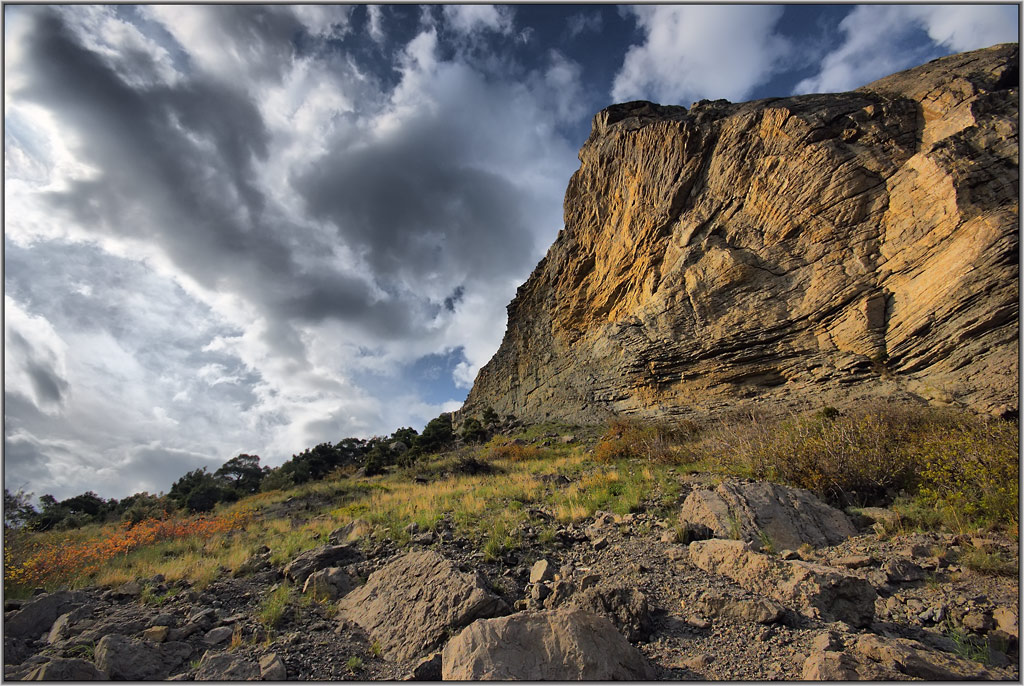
[
  {"x": 785, "y": 253},
  {"x": 608, "y": 597}
]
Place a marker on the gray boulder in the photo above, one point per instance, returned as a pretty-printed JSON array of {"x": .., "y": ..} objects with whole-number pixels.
[
  {"x": 626, "y": 608},
  {"x": 223, "y": 667},
  {"x": 788, "y": 517},
  {"x": 411, "y": 605},
  {"x": 299, "y": 569},
  {"x": 66, "y": 669},
  {"x": 567, "y": 644},
  {"x": 272, "y": 668},
  {"x": 38, "y": 615},
  {"x": 331, "y": 583},
  {"x": 132, "y": 659},
  {"x": 352, "y": 531},
  {"x": 759, "y": 610}
]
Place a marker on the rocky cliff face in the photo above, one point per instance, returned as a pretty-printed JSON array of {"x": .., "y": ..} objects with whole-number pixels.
[{"x": 783, "y": 254}]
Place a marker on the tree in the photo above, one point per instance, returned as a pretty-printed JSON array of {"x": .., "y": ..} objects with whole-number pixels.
[
  {"x": 18, "y": 510},
  {"x": 242, "y": 473},
  {"x": 140, "y": 506},
  {"x": 490, "y": 417},
  {"x": 197, "y": 491},
  {"x": 50, "y": 514},
  {"x": 87, "y": 503},
  {"x": 437, "y": 434}
]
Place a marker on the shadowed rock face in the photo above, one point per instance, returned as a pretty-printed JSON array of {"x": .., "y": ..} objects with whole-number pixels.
[{"x": 785, "y": 254}]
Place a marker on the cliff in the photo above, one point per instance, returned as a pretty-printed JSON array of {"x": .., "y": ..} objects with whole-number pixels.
[{"x": 782, "y": 254}]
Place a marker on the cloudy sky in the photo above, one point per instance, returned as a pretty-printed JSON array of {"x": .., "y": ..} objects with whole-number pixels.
[{"x": 255, "y": 228}]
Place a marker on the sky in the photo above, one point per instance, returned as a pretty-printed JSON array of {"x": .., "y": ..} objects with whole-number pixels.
[{"x": 251, "y": 229}]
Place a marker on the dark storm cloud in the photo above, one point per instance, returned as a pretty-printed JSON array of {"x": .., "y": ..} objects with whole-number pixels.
[
  {"x": 47, "y": 383},
  {"x": 155, "y": 468},
  {"x": 177, "y": 168},
  {"x": 415, "y": 207},
  {"x": 24, "y": 461}
]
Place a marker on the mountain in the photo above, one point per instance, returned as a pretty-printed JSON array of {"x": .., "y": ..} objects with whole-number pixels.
[{"x": 779, "y": 255}]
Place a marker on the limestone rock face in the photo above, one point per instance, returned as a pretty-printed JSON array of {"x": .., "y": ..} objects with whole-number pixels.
[
  {"x": 784, "y": 253},
  {"x": 567, "y": 644}
]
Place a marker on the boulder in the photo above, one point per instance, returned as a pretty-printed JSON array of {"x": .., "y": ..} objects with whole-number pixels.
[
  {"x": 223, "y": 667},
  {"x": 272, "y": 668},
  {"x": 760, "y": 610},
  {"x": 428, "y": 669},
  {"x": 412, "y": 604},
  {"x": 813, "y": 589},
  {"x": 157, "y": 634},
  {"x": 135, "y": 660},
  {"x": 38, "y": 614},
  {"x": 217, "y": 636},
  {"x": 299, "y": 569},
  {"x": 352, "y": 531},
  {"x": 331, "y": 583},
  {"x": 128, "y": 591},
  {"x": 836, "y": 666},
  {"x": 66, "y": 669},
  {"x": 902, "y": 570},
  {"x": 875, "y": 658},
  {"x": 788, "y": 517},
  {"x": 542, "y": 570},
  {"x": 626, "y": 608},
  {"x": 567, "y": 644}
]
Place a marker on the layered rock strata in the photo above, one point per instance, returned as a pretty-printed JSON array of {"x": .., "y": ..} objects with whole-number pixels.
[{"x": 786, "y": 253}]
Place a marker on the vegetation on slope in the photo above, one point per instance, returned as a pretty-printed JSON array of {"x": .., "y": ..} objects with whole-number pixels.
[{"x": 504, "y": 490}]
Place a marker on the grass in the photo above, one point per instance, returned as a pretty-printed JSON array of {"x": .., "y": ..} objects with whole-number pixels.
[
  {"x": 957, "y": 472},
  {"x": 274, "y": 606},
  {"x": 988, "y": 563}
]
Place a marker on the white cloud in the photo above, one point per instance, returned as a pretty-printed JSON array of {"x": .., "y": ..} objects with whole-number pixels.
[
  {"x": 584, "y": 22},
  {"x": 35, "y": 358},
  {"x": 469, "y": 19},
  {"x": 325, "y": 21},
  {"x": 693, "y": 52},
  {"x": 969, "y": 27},
  {"x": 877, "y": 39},
  {"x": 374, "y": 18}
]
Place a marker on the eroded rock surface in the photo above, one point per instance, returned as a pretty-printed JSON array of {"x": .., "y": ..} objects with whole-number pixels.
[
  {"x": 299, "y": 569},
  {"x": 410, "y": 605},
  {"x": 758, "y": 510},
  {"x": 814, "y": 589},
  {"x": 567, "y": 644},
  {"x": 781, "y": 254}
]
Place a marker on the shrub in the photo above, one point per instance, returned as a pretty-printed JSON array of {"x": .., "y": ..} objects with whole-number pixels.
[
  {"x": 505, "y": 448},
  {"x": 632, "y": 439},
  {"x": 953, "y": 466},
  {"x": 989, "y": 563},
  {"x": 473, "y": 431},
  {"x": 969, "y": 472}
]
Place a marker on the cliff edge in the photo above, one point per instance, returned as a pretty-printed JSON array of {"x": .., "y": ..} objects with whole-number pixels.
[{"x": 782, "y": 254}]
